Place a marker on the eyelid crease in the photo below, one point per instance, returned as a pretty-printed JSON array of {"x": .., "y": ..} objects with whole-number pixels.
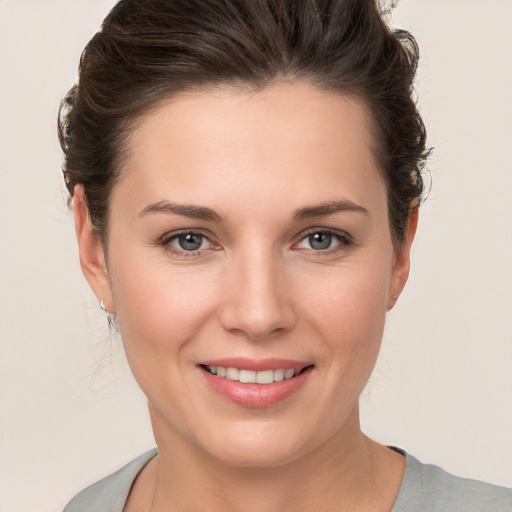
[
  {"x": 330, "y": 231},
  {"x": 178, "y": 232},
  {"x": 185, "y": 231}
]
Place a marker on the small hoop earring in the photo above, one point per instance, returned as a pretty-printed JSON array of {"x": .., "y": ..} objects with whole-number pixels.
[{"x": 111, "y": 317}]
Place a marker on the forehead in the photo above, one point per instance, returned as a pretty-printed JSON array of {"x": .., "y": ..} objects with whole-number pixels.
[{"x": 215, "y": 144}]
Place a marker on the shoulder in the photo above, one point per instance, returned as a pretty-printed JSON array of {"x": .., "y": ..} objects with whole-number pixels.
[
  {"x": 110, "y": 493},
  {"x": 429, "y": 488}
]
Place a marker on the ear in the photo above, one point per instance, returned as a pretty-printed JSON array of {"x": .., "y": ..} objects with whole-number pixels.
[
  {"x": 402, "y": 264},
  {"x": 92, "y": 255}
]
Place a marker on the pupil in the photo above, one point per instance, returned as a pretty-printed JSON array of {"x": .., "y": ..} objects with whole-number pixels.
[
  {"x": 190, "y": 242},
  {"x": 320, "y": 241}
]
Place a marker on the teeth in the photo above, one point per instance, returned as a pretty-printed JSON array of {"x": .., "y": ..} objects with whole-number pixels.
[
  {"x": 265, "y": 377},
  {"x": 247, "y": 376},
  {"x": 232, "y": 373},
  {"x": 278, "y": 375},
  {"x": 252, "y": 377}
]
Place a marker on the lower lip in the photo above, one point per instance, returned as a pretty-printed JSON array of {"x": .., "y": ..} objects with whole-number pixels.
[{"x": 256, "y": 395}]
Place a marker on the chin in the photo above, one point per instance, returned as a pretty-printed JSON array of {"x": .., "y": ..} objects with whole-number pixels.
[
  {"x": 255, "y": 457},
  {"x": 260, "y": 446}
]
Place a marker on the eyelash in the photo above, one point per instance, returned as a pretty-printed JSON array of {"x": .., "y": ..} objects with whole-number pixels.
[
  {"x": 166, "y": 240},
  {"x": 344, "y": 239}
]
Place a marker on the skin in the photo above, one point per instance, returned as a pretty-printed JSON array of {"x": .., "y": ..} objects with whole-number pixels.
[{"x": 258, "y": 288}]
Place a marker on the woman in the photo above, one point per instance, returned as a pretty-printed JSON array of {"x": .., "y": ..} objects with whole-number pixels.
[{"x": 246, "y": 178}]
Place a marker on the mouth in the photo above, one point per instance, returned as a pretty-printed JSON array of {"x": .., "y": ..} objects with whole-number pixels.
[
  {"x": 246, "y": 376},
  {"x": 255, "y": 383}
]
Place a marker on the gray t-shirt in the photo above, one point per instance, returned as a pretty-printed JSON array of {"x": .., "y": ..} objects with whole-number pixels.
[{"x": 425, "y": 488}]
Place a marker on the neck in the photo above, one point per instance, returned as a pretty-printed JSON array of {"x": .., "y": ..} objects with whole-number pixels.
[{"x": 348, "y": 472}]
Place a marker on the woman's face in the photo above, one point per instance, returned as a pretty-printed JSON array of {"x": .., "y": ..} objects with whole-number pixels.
[{"x": 250, "y": 231}]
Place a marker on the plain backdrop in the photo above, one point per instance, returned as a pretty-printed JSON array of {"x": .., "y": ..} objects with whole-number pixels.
[{"x": 70, "y": 410}]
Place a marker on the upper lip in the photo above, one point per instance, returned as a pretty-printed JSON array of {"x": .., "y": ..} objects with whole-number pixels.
[{"x": 244, "y": 363}]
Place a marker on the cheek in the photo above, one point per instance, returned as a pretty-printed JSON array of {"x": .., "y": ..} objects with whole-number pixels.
[
  {"x": 350, "y": 320},
  {"x": 353, "y": 301},
  {"x": 159, "y": 308}
]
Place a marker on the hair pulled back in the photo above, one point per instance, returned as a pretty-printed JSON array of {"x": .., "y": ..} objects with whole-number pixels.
[{"x": 148, "y": 50}]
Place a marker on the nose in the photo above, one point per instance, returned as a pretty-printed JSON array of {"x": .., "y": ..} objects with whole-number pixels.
[{"x": 257, "y": 299}]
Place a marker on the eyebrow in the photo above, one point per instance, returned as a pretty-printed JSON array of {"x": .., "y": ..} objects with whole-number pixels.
[
  {"x": 204, "y": 213},
  {"x": 329, "y": 208},
  {"x": 187, "y": 210}
]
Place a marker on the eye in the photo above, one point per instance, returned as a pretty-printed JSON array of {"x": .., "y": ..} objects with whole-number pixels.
[
  {"x": 187, "y": 242},
  {"x": 190, "y": 241},
  {"x": 324, "y": 240},
  {"x": 319, "y": 241}
]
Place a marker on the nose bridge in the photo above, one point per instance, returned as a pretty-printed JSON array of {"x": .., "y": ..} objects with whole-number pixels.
[{"x": 258, "y": 302}]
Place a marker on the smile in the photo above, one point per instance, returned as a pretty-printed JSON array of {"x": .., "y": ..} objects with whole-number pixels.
[
  {"x": 251, "y": 376},
  {"x": 255, "y": 384}
]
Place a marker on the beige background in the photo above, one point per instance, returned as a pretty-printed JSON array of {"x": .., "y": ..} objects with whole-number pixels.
[{"x": 70, "y": 411}]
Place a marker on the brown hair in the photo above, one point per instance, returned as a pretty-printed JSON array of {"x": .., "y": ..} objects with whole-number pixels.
[{"x": 148, "y": 50}]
